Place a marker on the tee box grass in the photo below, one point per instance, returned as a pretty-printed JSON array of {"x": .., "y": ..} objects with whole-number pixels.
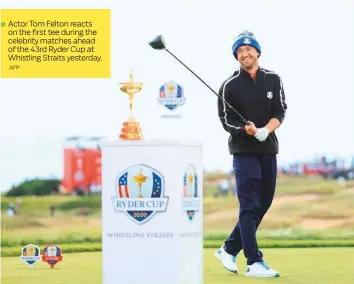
[{"x": 296, "y": 266}]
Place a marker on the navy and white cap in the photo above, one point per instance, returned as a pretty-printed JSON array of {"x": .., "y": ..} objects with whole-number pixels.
[{"x": 245, "y": 38}]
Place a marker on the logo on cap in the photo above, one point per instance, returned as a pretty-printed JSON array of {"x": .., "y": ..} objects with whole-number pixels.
[{"x": 246, "y": 41}]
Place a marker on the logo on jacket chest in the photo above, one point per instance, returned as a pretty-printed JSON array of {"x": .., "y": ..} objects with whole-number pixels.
[{"x": 270, "y": 95}]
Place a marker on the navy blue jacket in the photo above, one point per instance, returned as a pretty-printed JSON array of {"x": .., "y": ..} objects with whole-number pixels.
[{"x": 257, "y": 100}]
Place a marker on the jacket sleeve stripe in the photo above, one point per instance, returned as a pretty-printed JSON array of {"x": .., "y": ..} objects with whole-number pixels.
[
  {"x": 223, "y": 96},
  {"x": 281, "y": 95}
]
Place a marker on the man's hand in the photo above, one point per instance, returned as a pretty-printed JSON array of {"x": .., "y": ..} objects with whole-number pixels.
[
  {"x": 262, "y": 134},
  {"x": 272, "y": 125},
  {"x": 251, "y": 129}
]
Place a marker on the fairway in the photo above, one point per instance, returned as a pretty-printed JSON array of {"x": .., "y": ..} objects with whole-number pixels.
[{"x": 305, "y": 266}]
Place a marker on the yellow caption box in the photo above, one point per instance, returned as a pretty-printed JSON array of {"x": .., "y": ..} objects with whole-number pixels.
[{"x": 55, "y": 43}]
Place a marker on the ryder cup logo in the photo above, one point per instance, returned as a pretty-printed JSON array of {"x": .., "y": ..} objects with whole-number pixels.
[
  {"x": 190, "y": 199},
  {"x": 30, "y": 255},
  {"x": 139, "y": 193},
  {"x": 247, "y": 41},
  {"x": 171, "y": 95},
  {"x": 270, "y": 95},
  {"x": 52, "y": 255}
]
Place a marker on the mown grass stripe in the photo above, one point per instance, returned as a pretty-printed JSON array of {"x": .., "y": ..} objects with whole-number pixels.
[
  {"x": 209, "y": 238},
  {"x": 66, "y": 248},
  {"x": 291, "y": 243},
  {"x": 92, "y": 247}
]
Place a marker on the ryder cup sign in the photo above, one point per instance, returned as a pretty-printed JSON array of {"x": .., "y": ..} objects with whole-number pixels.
[
  {"x": 30, "y": 255},
  {"x": 140, "y": 193},
  {"x": 171, "y": 95},
  {"x": 190, "y": 200},
  {"x": 152, "y": 226},
  {"x": 52, "y": 255}
]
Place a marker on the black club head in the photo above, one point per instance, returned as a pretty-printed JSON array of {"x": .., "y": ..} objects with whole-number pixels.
[{"x": 158, "y": 43}]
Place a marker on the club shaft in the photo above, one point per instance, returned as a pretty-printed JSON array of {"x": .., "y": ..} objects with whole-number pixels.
[
  {"x": 230, "y": 106},
  {"x": 192, "y": 72}
]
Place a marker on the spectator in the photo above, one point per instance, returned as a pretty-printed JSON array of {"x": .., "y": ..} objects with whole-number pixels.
[
  {"x": 18, "y": 205},
  {"x": 52, "y": 210},
  {"x": 11, "y": 210},
  {"x": 223, "y": 188}
]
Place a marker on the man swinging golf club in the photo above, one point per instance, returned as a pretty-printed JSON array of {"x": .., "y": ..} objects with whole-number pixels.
[{"x": 258, "y": 95}]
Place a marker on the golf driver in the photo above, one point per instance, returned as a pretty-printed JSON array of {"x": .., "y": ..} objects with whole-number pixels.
[{"x": 159, "y": 43}]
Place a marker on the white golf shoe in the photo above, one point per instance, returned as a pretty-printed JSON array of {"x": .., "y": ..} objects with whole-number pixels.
[
  {"x": 228, "y": 260},
  {"x": 260, "y": 269}
]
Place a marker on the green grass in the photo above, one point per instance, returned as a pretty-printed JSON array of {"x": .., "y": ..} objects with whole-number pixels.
[
  {"x": 39, "y": 205},
  {"x": 69, "y": 238},
  {"x": 290, "y": 234},
  {"x": 300, "y": 204},
  {"x": 84, "y": 233},
  {"x": 264, "y": 243},
  {"x": 67, "y": 248},
  {"x": 55, "y": 230},
  {"x": 93, "y": 202},
  {"x": 290, "y": 243},
  {"x": 10, "y": 223},
  {"x": 296, "y": 266},
  {"x": 76, "y": 268},
  {"x": 311, "y": 185}
]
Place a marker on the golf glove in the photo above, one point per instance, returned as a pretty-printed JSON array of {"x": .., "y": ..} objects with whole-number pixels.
[{"x": 262, "y": 134}]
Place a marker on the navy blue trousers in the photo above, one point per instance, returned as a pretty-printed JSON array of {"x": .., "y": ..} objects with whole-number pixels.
[{"x": 255, "y": 179}]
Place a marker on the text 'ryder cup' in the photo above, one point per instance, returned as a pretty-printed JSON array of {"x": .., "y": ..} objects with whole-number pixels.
[{"x": 123, "y": 204}]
